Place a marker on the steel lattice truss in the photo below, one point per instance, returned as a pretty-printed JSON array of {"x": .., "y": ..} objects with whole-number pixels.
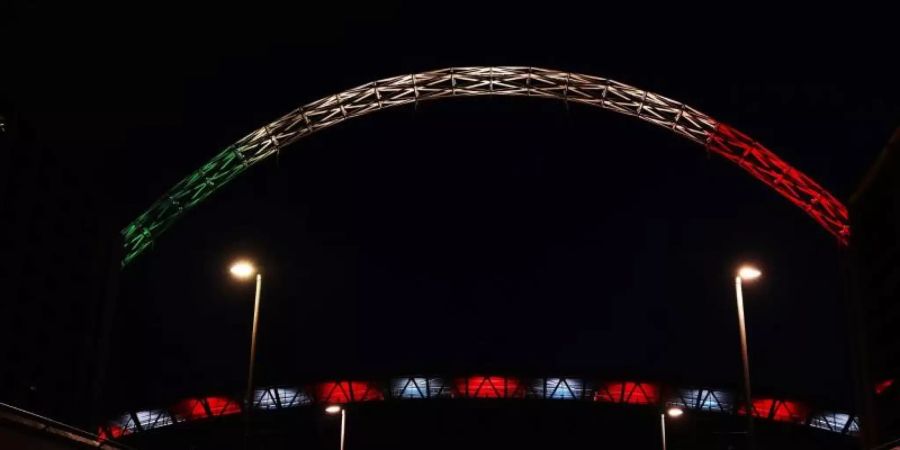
[
  {"x": 717, "y": 137},
  {"x": 500, "y": 387}
]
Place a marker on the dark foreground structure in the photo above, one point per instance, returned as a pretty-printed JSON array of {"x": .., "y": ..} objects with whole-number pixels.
[
  {"x": 54, "y": 298},
  {"x": 876, "y": 252},
  {"x": 482, "y": 424},
  {"x": 20, "y": 429}
]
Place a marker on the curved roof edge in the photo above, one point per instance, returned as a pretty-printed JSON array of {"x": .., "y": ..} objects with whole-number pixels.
[{"x": 412, "y": 388}]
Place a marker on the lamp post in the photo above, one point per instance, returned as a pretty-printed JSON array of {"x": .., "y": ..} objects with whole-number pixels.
[
  {"x": 747, "y": 273},
  {"x": 334, "y": 409},
  {"x": 673, "y": 412},
  {"x": 243, "y": 270}
]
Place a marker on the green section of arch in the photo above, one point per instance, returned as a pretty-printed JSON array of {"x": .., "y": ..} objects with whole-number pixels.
[{"x": 189, "y": 192}]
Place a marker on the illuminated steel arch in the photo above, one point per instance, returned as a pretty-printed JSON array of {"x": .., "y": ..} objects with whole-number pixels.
[{"x": 717, "y": 137}]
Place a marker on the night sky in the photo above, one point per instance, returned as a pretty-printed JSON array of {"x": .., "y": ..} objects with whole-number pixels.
[{"x": 467, "y": 235}]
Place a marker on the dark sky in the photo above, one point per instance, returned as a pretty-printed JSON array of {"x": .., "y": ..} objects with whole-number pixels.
[{"x": 467, "y": 234}]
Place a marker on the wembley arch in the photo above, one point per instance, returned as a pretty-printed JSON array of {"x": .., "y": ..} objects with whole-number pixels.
[{"x": 715, "y": 136}]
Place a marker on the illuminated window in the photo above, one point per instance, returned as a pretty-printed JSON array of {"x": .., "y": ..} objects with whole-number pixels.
[
  {"x": 265, "y": 399},
  {"x": 292, "y": 397},
  {"x": 716, "y": 401},
  {"x": 438, "y": 388},
  {"x": 853, "y": 427},
  {"x": 564, "y": 388},
  {"x": 222, "y": 406},
  {"x": 153, "y": 419},
  {"x": 762, "y": 407},
  {"x": 189, "y": 409},
  {"x": 109, "y": 432},
  {"x": 409, "y": 388},
  {"x": 641, "y": 393},
  {"x": 830, "y": 421},
  {"x": 201, "y": 408},
  {"x": 347, "y": 391},
  {"x": 275, "y": 398},
  {"x": 420, "y": 387},
  {"x": 123, "y": 426},
  {"x": 489, "y": 387},
  {"x": 704, "y": 399},
  {"x": 628, "y": 392},
  {"x": 789, "y": 411},
  {"x": 779, "y": 410},
  {"x": 333, "y": 392}
]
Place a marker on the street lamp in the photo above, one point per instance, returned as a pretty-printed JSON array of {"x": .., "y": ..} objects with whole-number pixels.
[
  {"x": 748, "y": 273},
  {"x": 673, "y": 412},
  {"x": 243, "y": 270},
  {"x": 334, "y": 409}
]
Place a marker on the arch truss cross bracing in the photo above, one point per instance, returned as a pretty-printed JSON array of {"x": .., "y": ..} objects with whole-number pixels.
[{"x": 604, "y": 93}]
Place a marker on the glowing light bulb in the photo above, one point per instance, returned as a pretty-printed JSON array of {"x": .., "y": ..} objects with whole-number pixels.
[
  {"x": 749, "y": 273},
  {"x": 243, "y": 269}
]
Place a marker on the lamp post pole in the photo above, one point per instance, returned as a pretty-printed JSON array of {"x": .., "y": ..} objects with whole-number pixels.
[
  {"x": 748, "y": 273},
  {"x": 244, "y": 270},
  {"x": 673, "y": 412},
  {"x": 662, "y": 427},
  {"x": 343, "y": 426},
  {"x": 248, "y": 396},
  {"x": 335, "y": 409}
]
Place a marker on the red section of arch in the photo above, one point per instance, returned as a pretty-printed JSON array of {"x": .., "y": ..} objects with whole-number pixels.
[{"x": 792, "y": 184}]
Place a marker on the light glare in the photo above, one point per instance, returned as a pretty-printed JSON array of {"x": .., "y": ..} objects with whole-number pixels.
[
  {"x": 243, "y": 269},
  {"x": 749, "y": 273},
  {"x": 333, "y": 409},
  {"x": 675, "y": 412}
]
